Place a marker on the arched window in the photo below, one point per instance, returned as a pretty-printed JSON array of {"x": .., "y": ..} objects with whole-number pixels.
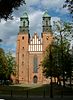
[
  {"x": 23, "y": 38},
  {"x": 35, "y": 64},
  {"x": 46, "y": 22}
]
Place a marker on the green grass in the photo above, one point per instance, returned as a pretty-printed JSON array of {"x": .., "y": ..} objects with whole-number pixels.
[{"x": 39, "y": 90}]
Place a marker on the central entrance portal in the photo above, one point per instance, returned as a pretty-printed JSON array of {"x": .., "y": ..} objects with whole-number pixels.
[{"x": 35, "y": 79}]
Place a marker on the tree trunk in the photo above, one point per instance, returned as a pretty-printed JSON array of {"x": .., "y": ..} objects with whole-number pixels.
[
  {"x": 55, "y": 79},
  {"x": 70, "y": 80},
  {"x": 58, "y": 81},
  {"x": 51, "y": 89},
  {"x": 63, "y": 79}
]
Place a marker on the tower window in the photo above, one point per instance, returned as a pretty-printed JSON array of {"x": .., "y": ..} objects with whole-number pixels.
[
  {"x": 22, "y": 71},
  {"x": 22, "y": 63},
  {"x": 35, "y": 64},
  {"x": 24, "y": 23},
  {"x": 47, "y": 37},
  {"x": 46, "y": 23},
  {"x": 23, "y": 37},
  {"x": 22, "y": 55},
  {"x": 23, "y": 47}
]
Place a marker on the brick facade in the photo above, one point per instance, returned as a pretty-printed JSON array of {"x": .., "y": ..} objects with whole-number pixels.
[{"x": 29, "y": 54}]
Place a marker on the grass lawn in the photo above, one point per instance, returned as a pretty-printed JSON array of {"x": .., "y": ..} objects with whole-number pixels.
[{"x": 39, "y": 90}]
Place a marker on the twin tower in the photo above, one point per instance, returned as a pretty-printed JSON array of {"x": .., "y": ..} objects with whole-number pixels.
[{"x": 30, "y": 51}]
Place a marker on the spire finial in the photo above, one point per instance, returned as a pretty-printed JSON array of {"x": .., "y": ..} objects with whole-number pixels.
[
  {"x": 25, "y": 8},
  {"x": 25, "y": 15}
]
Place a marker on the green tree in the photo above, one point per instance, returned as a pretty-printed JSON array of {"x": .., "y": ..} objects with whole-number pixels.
[
  {"x": 56, "y": 64},
  {"x": 8, "y": 6},
  {"x": 48, "y": 66},
  {"x": 69, "y": 65},
  {"x": 55, "y": 57},
  {"x": 3, "y": 65},
  {"x": 69, "y": 5},
  {"x": 7, "y": 65},
  {"x": 11, "y": 65},
  {"x": 65, "y": 31}
]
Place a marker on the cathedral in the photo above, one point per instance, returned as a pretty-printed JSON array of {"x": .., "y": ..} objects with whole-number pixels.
[{"x": 30, "y": 51}]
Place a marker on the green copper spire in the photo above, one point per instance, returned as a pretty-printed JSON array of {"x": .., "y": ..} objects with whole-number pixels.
[
  {"x": 46, "y": 14},
  {"x": 25, "y": 15},
  {"x": 24, "y": 22}
]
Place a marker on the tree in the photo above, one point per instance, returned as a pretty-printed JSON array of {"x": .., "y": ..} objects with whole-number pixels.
[
  {"x": 11, "y": 65},
  {"x": 3, "y": 65},
  {"x": 51, "y": 65},
  {"x": 48, "y": 66},
  {"x": 7, "y": 65},
  {"x": 54, "y": 62},
  {"x": 64, "y": 30},
  {"x": 69, "y": 5},
  {"x": 8, "y": 6},
  {"x": 69, "y": 65}
]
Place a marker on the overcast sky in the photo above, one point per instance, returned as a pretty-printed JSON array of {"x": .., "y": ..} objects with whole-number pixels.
[{"x": 35, "y": 9}]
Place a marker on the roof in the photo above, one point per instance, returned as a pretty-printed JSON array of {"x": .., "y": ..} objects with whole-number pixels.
[
  {"x": 46, "y": 14},
  {"x": 25, "y": 15}
]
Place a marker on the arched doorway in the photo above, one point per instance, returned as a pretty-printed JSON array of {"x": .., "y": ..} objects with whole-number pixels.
[{"x": 35, "y": 79}]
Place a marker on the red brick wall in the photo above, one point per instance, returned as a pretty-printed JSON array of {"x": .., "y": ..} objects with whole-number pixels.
[{"x": 24, "y": 59}]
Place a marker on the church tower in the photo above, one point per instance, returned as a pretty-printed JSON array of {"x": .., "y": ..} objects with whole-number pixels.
[
  {"x": 24, "y": 23},
  {"x": 47, "y": 35},
  {"x": 22, "y": 49}
]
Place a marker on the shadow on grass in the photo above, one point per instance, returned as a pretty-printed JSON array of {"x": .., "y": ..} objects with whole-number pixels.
[{"x": 43, "y": 90}]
